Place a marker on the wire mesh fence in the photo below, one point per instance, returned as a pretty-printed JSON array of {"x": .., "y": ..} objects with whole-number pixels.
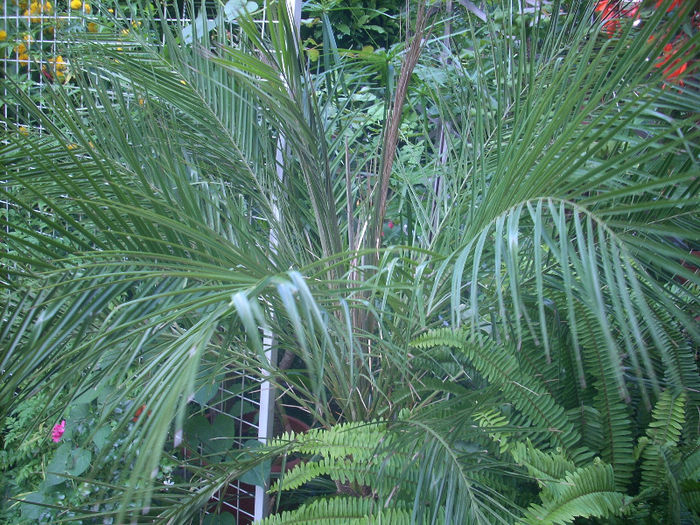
[
  {"x": 33, "y": 35},
  {"x": 237, "y": 406}
]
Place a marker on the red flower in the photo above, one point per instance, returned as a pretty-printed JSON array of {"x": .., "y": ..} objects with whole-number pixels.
[
  {"x": 611, "y": 12},
  {"x": 57, "y": 431},
  {"x": 673, "y": 64},
  {"x": 674, "y": 4},
  {"x": 138, "y": 412}
]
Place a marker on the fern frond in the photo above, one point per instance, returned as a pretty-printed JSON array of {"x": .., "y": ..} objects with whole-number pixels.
[
  {"x": 663, "y": 435},
  {"x": 353, "y": 454},
  {"x": 357, "y": 440},
  {"x": 440, "y": 337},
  {"x": 518, "y": 384},
  {"x": 667, "y": 417},
  {"x": 586, "y": 492},
  {"x": 680, "y": 365},
  {"x": 492, "y": 421},
  {"x": 543, "y": 466},
  {"x": 350, "y": 472},
  {"x": 340, "y": 511},
  {"x": 691, "y": 464},
  {"x": 690, "y": 493},
  {"x": 617, "y": 447}
]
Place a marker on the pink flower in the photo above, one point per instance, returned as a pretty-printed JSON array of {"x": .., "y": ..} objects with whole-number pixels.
[{"x": 58, "y": 431}]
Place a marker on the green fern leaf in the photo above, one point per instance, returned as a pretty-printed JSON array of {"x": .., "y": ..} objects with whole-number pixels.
[
  {"x": 340, "y": 511},
  {"x": 357, "y": 455},
  {"x": 587, "y": 492},
  {"x": 543, "y": 466},
  {"x": 517, "y": 384},
  {"x": 663, "y": 435},
  {"x": 616, "y": 444}
]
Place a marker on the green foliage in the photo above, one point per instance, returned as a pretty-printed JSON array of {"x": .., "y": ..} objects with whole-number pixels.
[
  {"x": 690, "y": 480},
  {"x": 515, "y": 380},
  {"x": 375, "y": 477},
  {"x": 37, "y": 470},
  {"x": 20, "y": 457},
  {"x": 339, "y": 510},
  {"x": 609, "y": 417},
  {"x": 571, "y": 485},
  {"x": 355, "y": 24},
  {"x": 213, "y": 201},
  {"x": 662, "y": 436},
  {"x": 665, "y": 478},
  {"x": 352, "y": 455},
  {"x": 586, "y": 492},
  {"x": 545, "y": 467}
]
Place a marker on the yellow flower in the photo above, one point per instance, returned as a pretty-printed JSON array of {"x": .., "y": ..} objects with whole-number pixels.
[
  {"x": 3, "y": 35},
  {"x": 21, "y": 49},
  {"x": 92, "y": 27},
  {"x": 23, "y": 130},
  {"x": 110, "y": 11},
  {"x": 141, "y": 102},
  {"x": 88, "y": 9},
  {"x": 72, "y": 146},
  {"x": 136, "y": 23},
  {"x": 36, "y": 8},
  {"x": 125, "y": 32},
  {"x": 23, "y": 59},
  {"x": 58, "y": 65},
  {"x": 183, "y": 82},
  {"x": 76, "y": 4}
]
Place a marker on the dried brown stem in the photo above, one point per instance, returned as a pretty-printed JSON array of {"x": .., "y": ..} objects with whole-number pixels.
[{"x": 391, "y": 136}]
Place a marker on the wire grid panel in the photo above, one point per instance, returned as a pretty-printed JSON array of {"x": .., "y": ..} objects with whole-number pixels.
[
  {"x": 31, "y": 44},
  {"x": 30, "y": 55},
  {"x": 32, "y": 35},
  {"x": 238, "y": 400}
]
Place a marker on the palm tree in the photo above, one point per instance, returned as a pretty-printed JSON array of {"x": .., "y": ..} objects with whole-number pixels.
[{"x": 550, "y": 232}]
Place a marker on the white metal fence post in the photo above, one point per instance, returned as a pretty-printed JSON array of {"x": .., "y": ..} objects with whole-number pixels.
[{"x": 266, "y": 390}]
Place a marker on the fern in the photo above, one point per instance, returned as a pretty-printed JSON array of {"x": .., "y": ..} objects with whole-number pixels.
[
  {"x": 680, "y": 365},
  {"x": 662, "y": 438},
  {"x": 660, "y": 455},
  {"x": 690, "y": 483},
  {"x": 587, "y": 492},
  {"x": 517, "y": 384},
  {"x": 492, "y": 421},
  {"x": 616, "y": 437},
  {"x": 541, "y": 465},
  {"x": 340, "y": 510},
  {"x": 359, "y": 440},
  {"x": 357, "y": 456},
  {"x": 349, "y": 472}
]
